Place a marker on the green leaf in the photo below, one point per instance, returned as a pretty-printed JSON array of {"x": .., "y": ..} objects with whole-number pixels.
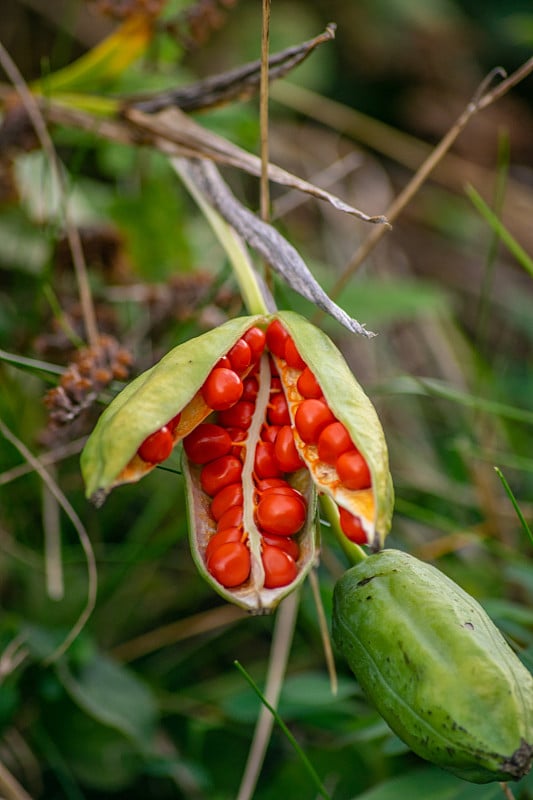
[
  {"x": 114, "y": 696},
  {"x": 79, "y": 747},
  {"x": 431, "y": 784}
]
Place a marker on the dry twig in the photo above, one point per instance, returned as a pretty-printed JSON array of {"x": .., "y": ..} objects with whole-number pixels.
[{"x": 32, "y": 108}]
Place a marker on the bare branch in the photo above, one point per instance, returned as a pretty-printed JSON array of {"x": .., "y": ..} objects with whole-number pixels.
[
  {"x": 235, "y": 85},
  {"x": 32, "y": 108}
]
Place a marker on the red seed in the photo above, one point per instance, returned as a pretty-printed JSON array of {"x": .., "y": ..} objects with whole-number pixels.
[
  {"x": 333, "y": 442},
  {"x": 223, "y": 363},
  {"x": 283, "y": 488},
  {"x": 273, "y": 368},
  {"x": 281, "y": 514},
  {"x": 308, "y": 386},
  {"x": 227, "y": 497},
  {"x": 269, "y": 483},
  {"x": 231, "y": 518},
  {"x": 269, "y": 433},
  {"x": 230, "y": 564},
  {"x": 238, "y": 416},
  {"x": 286, "y": 452},
  {"x": 207, "y": 442},
  {"x": 278, "y": 410},
  {"x": 250, "y": 388},
  {"x": 292, "y": 356},
  {"x": 238, "y": 438},
  {"x": 311, "y": 418},
  {"x": 223, "y": 536},
  {"x": 173, "y": 423},
  {"x": 256, "y": 339},
  {"x": 280, "y": 568},
  {"x": 265, "y": 463},
  {"x": 157, "y": 447},
  {"x": 353, "y": 471},
  {"x": 285, "y": 543},
  {"x": 351, "y": 527},
  {"x": 276, "y": 336},
  {"x": 220, "y": 473},
  {"x": 222, "y": 388},
  {"x": 240, "y": 356}
]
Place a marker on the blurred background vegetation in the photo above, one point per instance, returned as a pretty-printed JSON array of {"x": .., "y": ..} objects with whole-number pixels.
[{"x": 147, "y": 702}]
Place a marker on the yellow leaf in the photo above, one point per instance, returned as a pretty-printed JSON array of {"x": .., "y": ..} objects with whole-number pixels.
[{"x": 104, "y": 62}]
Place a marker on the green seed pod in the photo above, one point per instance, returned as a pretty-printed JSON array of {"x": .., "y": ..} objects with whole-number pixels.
[
  {"x": 352, "y": 407},
  {"x": 170, "y": 387},
  {"x": 436, "y": 667}
]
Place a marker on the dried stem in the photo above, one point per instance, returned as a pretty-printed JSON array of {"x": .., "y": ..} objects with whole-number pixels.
[
  {"x": 167, "y": 635},
  {"x": 324, "y": 632},
  {"x": 52, "y": 543},
  {"x": 73, "y": 236},
  {"x": 238, "y": 84},
  {"x": 14, "y": 654},
  {"x": 506, "y": 789},
  {"x": 10, "y": 787},
  {"x": 479, "y": 102},
  {"x": 80, "y": 530},
  {"x": 51, "y": 457},
  {"x": 279, "y": 654},
  {"x": 263, "y": 113}
]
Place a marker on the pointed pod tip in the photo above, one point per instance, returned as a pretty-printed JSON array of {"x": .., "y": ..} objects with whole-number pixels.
[{"x": 98, "y": 498}]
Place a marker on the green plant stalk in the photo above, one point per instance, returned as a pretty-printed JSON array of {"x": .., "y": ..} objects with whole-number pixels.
[
  {"x": 499, "y": 228},
  {"x": 305, "y": 761},
  {"x": 235, "y": 249},
  {"x": 353, "y": 552},
  {"x": 514, "y": 501}
]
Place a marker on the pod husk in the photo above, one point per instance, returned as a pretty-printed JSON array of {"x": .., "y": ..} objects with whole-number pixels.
[
  {"x": 352, "y": 407},
  {"x": 149, "y": 402}
]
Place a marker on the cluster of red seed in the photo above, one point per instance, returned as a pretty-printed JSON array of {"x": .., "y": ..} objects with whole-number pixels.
[
  {"x": 219, "y": 446},
  {"x": 317, "y": 427},
  {"x": 279, "y": 510}
]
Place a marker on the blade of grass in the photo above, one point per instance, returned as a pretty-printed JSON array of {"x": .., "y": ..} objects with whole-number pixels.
[
  {"x": 499, "y": 228},
  {"x": 514, "y": 501},
  {"x": 305, "y": 761}
]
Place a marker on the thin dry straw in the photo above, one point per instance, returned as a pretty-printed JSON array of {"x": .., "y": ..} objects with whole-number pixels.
[{"x": 80, "y": 530}]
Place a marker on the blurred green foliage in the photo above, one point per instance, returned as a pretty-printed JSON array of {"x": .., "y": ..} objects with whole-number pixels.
[{"x": 140, "y": 708}]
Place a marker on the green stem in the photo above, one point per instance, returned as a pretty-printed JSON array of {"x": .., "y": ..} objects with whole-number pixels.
[
  {"x": 499, "y": 228},
  {"x": 514, "y": 501},
  {"x": 309, "y": 767},
  {"x": 235, "y": 248},
  {"x": 353, "y": 552}
]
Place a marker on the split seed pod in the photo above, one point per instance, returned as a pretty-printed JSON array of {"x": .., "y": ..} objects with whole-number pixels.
[
  {"x": 350, "y": 406},
  {"x": 436, "y": 667},
  {"x": 263, "y": 586},
  {"x": 250, "y": 469}
]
